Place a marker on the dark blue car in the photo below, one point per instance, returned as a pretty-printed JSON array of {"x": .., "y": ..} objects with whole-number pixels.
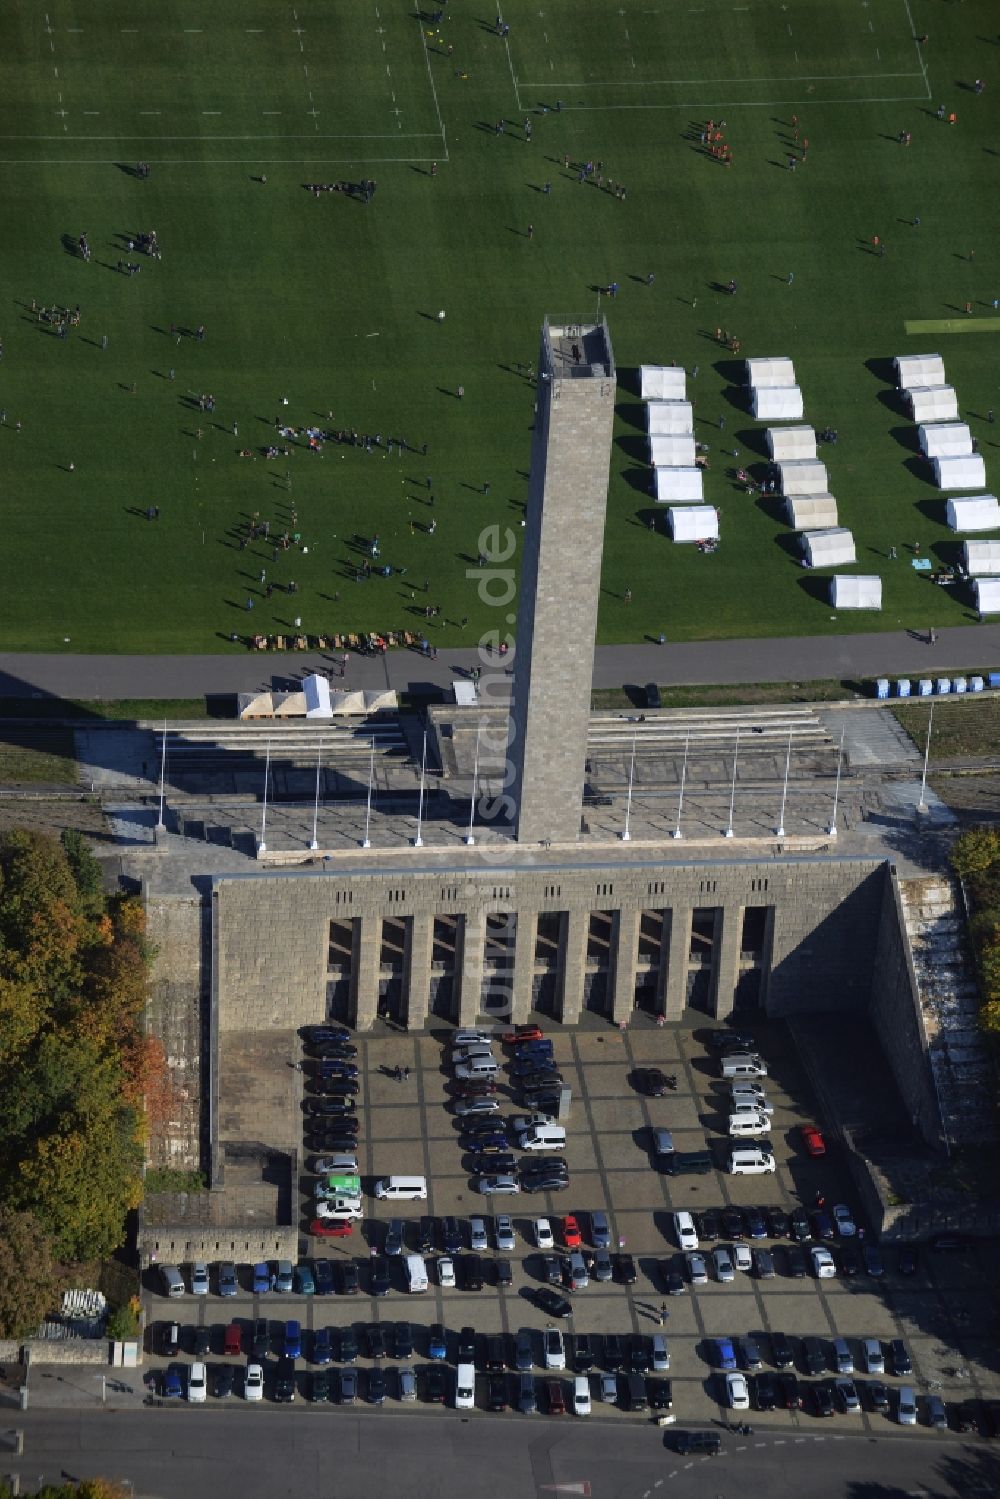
[
  {"x": 293, "y": 1339},
  {"x": 323, "y": 1273},
  {"x": 437, "y": 1342},
  {"x": 173, "y": 1388},
  {"x": 725, "y": 1353}
]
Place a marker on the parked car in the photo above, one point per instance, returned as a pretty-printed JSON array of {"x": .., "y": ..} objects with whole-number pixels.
[
  {"x": 437, "y": 1342},
  {"x": 737, "y": 1392},
  {"x": 625, "y": 1269},
  {"x": 812, "y": 1140},
  {"x": 550, "y": 1301},
  {"x": 600, "y": 1230},
  {"x": 844, "y": 1220},
  {"x": 320, "y": 1391},
  {"x": 323, "y": 1275},
  {"x": 284, "y": 1382},
  {"x": 253, "y": 1382},
  {"x": 223, "y": 1382},
  {"x": 652, "y": 1081},
  {"x": 503, "y": 1231}
]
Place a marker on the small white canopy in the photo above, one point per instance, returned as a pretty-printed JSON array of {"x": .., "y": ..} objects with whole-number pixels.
[
  {"x": 693, "y": 522},
  {"x": 803, "y": 476},
  {"x": 919, "y": 369},
  {"x": 317, "y": 691},
  {"x": 810, "y": 512},
  {"x": 671, "y": 451},
  {"x": 960, "y": 473},
  {"x": 670, "y": 416},
  {"x": 770, "y": 374},
  {"x": 981, "y": 557},
  {"x": 945, "y": 440},
  {"x": 465, "y": 692},
  {"x": 662, "y": 382},
  {"x": 980, "y": 512},
  {"x": 932, "y": 403},
  {"x": 785, "y": 443},
  {"x": 777, "y": 405},
  {"x": 987, "y": 592},
  {"x": 832, "y": 548},
  {"x": 855, "y": 593},
  {"x": 677, "y": 484}
]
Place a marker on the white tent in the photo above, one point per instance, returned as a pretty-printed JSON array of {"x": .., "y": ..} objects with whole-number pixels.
[
  {"x": 693, "y": 522},
  {"x": 981, "y": 557},
  {"x": 671, "y": 451},
  {"x": 809, "y": 512},
  {"x": 777, "y": 405},
  {"x": 770, "y": 374},
  {"x": 855, "y": 593},
  {"x": 677, "y": 484},
  {"x": 945, "y": 440},
  {"x": 784, "y": 443},
  {"x": 670, "y": 416},
  {"x": 987, "y": 592},
  {"x": 919, "y": 369},
  {"x": 979, "y": 512},
  {"x": 317, "y": 691},
  {"x": 833, "y": 548},
  {"x": 803, "y": 476},
  {"x": 932, "y": 403},
  {"x": 662, "y": 382},
  {"x": 960, "y": 473}
]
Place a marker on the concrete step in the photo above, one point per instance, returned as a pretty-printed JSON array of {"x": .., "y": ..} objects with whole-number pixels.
[{"x": 871, "y": 736}]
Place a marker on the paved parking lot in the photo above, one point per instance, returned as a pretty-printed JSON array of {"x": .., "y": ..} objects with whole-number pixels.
[{"x": 942, "y": 1312}]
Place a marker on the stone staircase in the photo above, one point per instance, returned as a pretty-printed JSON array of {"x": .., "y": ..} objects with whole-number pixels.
[{"x": 949, "y": 1001}]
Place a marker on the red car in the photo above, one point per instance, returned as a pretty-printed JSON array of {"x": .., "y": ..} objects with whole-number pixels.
[
  {"x": 233, "y": 1341},
  {"x": 521, "y": 1033},
  {"x": 572, "y": 1236},
  {"x": 813, "y": 1140},
  {"x": 331, "y": 1228}
]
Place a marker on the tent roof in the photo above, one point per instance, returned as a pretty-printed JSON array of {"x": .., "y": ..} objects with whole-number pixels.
[
  {"x": 919, "y": 369},
  {"x": 960, "y": 473},
  {"x": 678, "y": 483},
  {"x": 317, "y": 691},
  {"x": 833, "y": 547},
  {"x": 791, "y": 442},
  {"x": 693, "y": 522},
  {"x": 670, "y": 416},
  {"x": 770, "y": 374},
  {"x": 944, "y": 439},
  {"x": 806, "y": 512},
  {"x": 662, "y": 382},
  {"x": 974, "y": 512},
  {"x": 863, "y": 592},
  {"x": 777, "y": 404},
  {"x": 981, "y": 557},
  {"x": 987, "y": 591}
]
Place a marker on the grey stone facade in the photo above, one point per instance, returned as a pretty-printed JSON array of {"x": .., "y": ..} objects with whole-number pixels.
[
  {"x": 528, "y": 935},
  {"x": 560, "y": 581}
]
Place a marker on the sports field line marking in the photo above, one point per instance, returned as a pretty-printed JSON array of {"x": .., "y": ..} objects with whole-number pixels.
[
  {"x": 430, "y": 80},
  {"x": 416, "y": 135},
  {"x": 920, "y": 55},
  {"x": 215, "y": 161},
  {"x": 697, "y": 82},
  {"x": 716, "y": 103},
  {"x": 953, "y": 325}
]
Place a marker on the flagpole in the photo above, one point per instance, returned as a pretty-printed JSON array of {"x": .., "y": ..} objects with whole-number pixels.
[
  {"x": 732, "y": 794},
  {"x": 161, "y": 826},
  {"x": 315, "y": 841},
  {"x": 366, "y": 841},
  {"x": 832, "y": 829},
  {"x": 418, "y": 841},
  {"x": 626, "y": 835},
  {"x": 922, "y": 803},
  {"x": 680, "y": 800},
  {"x": 470, "y": 836},
  {"x": 780, "y": 829},
  {"x": 263, "y": 816}
]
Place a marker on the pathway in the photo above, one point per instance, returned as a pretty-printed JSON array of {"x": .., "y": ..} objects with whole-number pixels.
[{"x": 792, "y": 659}]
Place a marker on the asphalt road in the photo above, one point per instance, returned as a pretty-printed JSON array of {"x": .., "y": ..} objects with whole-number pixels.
[
  {"x": 205, "y": 1454},
  {"x": 785, "y": 659}
]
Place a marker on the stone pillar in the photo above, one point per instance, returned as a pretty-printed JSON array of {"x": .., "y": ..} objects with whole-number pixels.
[
  {"x": 420, "y": 943},
  {"x": 573, "y": 962},
  {"x": 661, "y": 977},
  {"x": 524, "y": 966},
  {"x": 626, "y": 939},
  {"x": 365, "y": 963},
  {"x": 675, "y": 994},
  {"x": 727, "y": 959},
  {"x": 469, "y": 974}
]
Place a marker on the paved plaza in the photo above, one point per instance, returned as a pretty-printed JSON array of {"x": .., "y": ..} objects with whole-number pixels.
[{"x": 408, "y": 1128}]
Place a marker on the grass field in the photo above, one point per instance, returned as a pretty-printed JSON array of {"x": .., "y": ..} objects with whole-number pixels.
[{"x": 331, "y": 302}]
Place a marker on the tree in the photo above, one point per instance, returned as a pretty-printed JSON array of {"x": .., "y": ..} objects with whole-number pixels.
[
  {"x": 86, "y": 871},
  {"x": 30, "y": 1277}
]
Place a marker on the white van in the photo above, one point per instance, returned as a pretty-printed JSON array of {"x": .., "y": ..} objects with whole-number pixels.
[
  {"x": 402, "y": 1188},
  {"x": 465, "y": 1387},
  {"x": 750, "y": 1162},
  {"x": 197, "y": 1384},
  {"x": 172, "y": 1281},
  {"x": 685, "y": 1231},
  {"x": 544, "y": 1137},
  {"x": 581, "y": 1395},
  {"x": 744, "y": 1064},
  {"x": 416, "y": 1272},
  {"x": 748, "y": 1125},
  {"x": 475, "y": 1067}
]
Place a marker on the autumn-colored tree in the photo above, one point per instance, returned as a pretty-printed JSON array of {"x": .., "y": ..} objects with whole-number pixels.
[
  {"x": 72, "y": 986},
  {"x": 30, "y": 1276}
]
